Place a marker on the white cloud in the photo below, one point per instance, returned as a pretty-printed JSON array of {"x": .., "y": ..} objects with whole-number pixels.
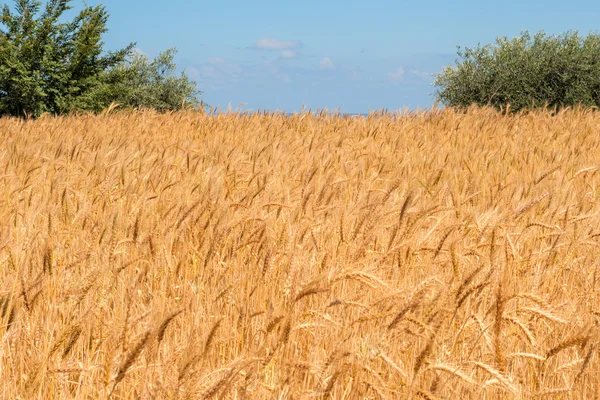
[
  {"x": 137, "y": 52},
  {"x": 233, "y": 69},
  {"x": 397, "y": 75},
  {"x": 274, "y": 44},
  {"x": 208, "y": 72},
  {"x": 420, "y": 74},
  {"x": 326, "y": 63},
  {"x": 215, "y": 60},
  {"x": 216, "y": 72},
  {"x": 354, "y": 76},
  {"x": 284, "y": 77},
  {"x": 193, "y": 73},
  {"x": 288, "y": 54}
]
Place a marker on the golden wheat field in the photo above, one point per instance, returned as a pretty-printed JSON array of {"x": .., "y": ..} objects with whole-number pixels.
[{"x": 430, "y": 255}]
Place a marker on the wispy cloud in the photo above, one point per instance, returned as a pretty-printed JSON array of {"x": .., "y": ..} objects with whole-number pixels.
[
  {"x": 354, "y": 76},
  {"x": 420, "y": 74},
  {"x": 216, "y": 72},
  {"x": 216, "y": 60},
  {"x": 284, "y": 77},
  {"x": 326, "y": 63},
  {"x": 193, "y": 73},
  {"x": 274, "y": 44},
  {"x": 288, "y": 54},
  {"x": 208, "y": 72},
  {"x": 397, "y": 75},
  {"x": 136, "y": 51}
]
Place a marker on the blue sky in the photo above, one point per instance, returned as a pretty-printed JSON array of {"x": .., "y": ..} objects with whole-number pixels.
[{"x": 352, "y": 55}]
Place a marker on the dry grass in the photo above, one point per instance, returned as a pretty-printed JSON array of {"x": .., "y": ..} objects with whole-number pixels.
[{"x": 433, "y": 255}]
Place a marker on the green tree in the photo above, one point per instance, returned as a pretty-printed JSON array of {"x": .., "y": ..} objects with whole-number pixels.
[
  {"x": 140, "y": 83},
  {"x": 47, "y": 65},
  {"x": 525, "y": 72}
]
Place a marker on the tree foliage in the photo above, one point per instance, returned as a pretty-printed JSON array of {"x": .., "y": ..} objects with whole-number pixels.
[
  {"x": 525, "y": 72},
  {"x": 48, "y": 65},
  {"x": 140, "y": 83}
]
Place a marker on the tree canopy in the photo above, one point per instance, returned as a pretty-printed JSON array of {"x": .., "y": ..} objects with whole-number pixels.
[
  {"x": 525, "y": 72},
  {"x": 48, "y": 65}
]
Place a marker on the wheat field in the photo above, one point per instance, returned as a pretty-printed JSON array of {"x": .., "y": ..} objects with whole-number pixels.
[{"x": 430, "y": 255}]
